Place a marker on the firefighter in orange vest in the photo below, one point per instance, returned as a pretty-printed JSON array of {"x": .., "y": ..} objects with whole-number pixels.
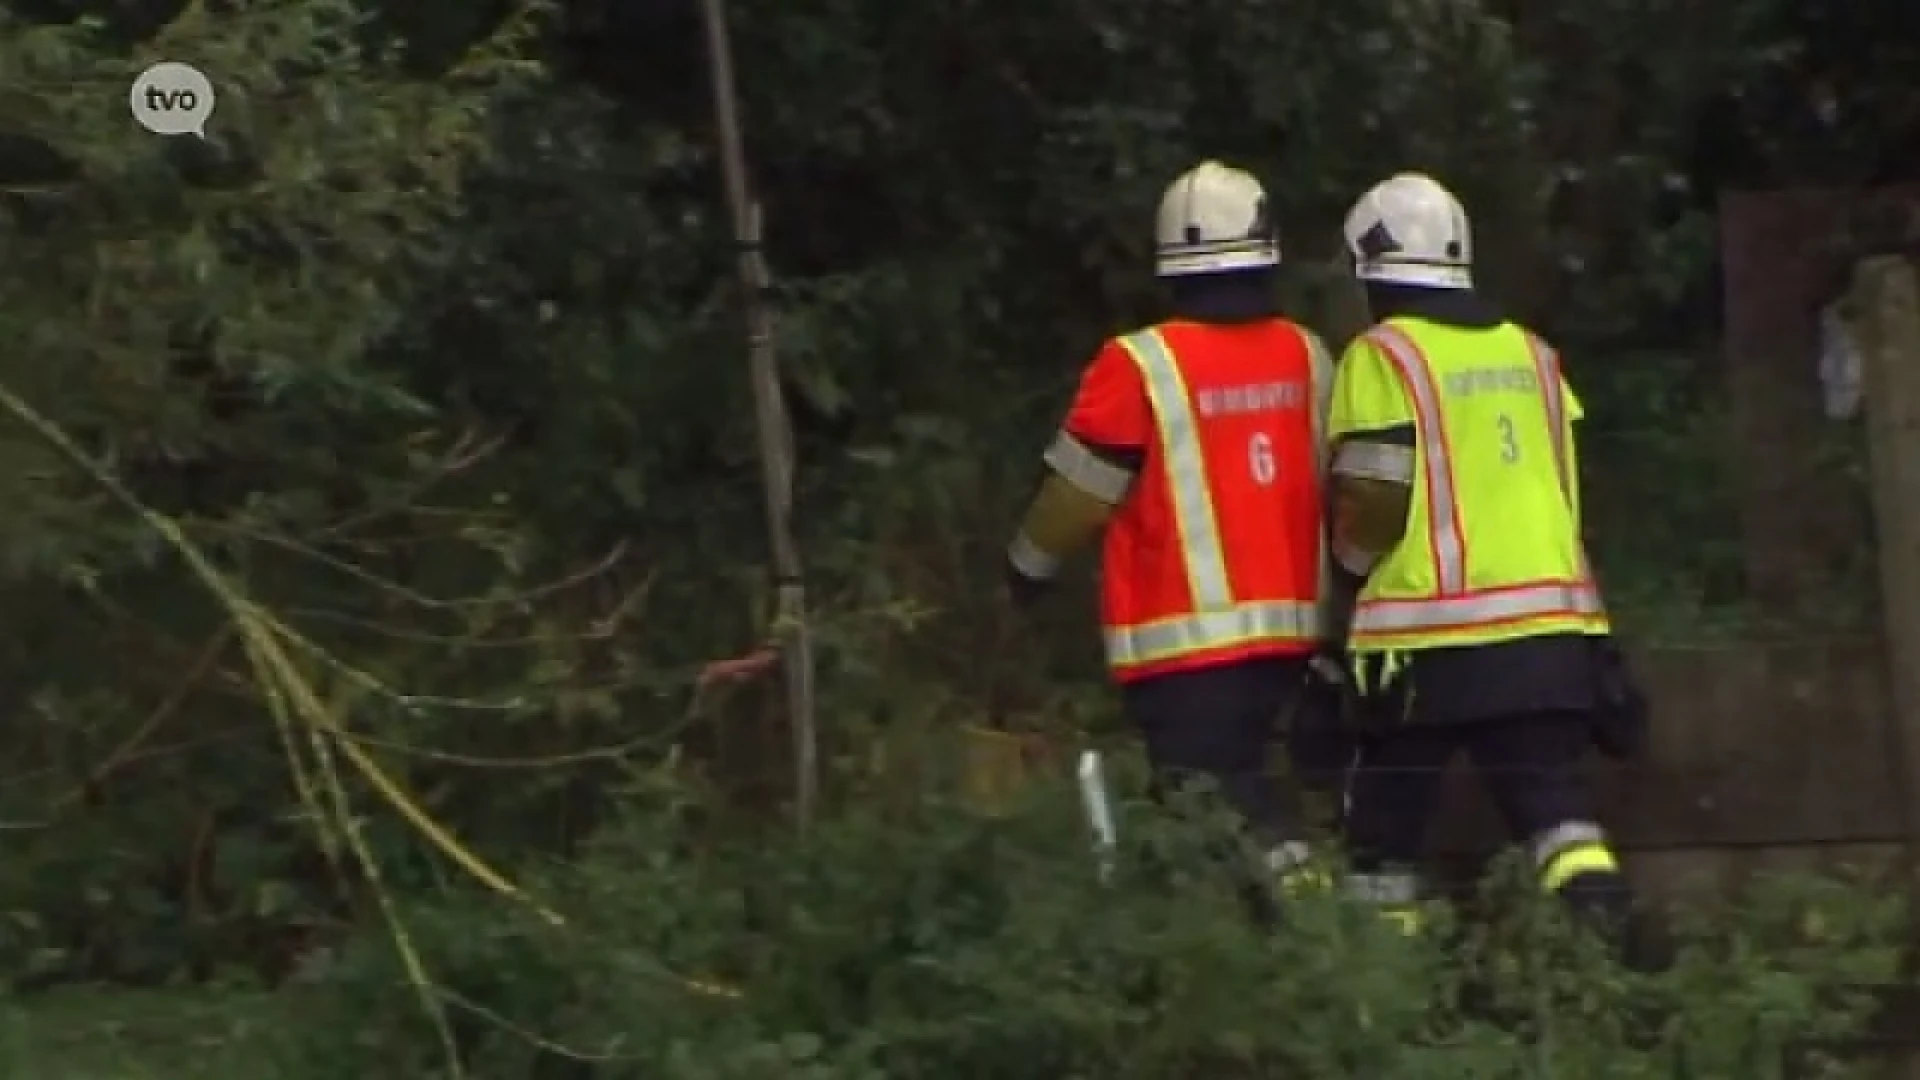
[
  {"x": 1194, "y": 445},
  {"x": 1476, "y": 625}
]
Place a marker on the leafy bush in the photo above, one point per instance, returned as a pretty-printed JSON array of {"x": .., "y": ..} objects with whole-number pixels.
[{"x": 944, "y": 944}]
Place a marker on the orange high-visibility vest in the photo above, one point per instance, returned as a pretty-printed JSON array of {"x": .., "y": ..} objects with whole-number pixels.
[{"x": 1217, "y": 552}]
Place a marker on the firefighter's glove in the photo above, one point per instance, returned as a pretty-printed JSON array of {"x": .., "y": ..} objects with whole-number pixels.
[
  {"x": 1328, "y": 668},
  {"x": 1624, "y": 714},
  {"x": 1330, "y": 686},
  {"x": 1019, "y": 589},
  {"x": 1320, "y": 736}
]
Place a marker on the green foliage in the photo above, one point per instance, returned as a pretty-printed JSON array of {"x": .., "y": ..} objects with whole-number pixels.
[
  {"x": 178, "y": 284},
  {"x": 217, "y": 323},
  {"x": 945, "y": 945},
  {"x": 93, "y": 1034}
]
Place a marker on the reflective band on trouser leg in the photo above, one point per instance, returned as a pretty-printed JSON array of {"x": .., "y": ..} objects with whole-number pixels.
[
  {"x": 1292, "y": 864},
  {"x": 1186, "y": 466},
  {"x": 1443, "y": 504},
  {"x": 1567, "y": 851},
  {"x": 1407, "y": 920},
  {"x": 1395, "y": 894}
]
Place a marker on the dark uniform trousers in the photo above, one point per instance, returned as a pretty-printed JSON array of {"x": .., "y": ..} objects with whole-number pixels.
[
  {"x": 1219, "y": 723},
  {"x": 1523, "y": 714},
  {"x": 1530, "y": 764}
]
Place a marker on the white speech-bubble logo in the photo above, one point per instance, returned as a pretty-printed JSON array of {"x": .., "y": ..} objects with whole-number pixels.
[{"x": 172, "y": 99}]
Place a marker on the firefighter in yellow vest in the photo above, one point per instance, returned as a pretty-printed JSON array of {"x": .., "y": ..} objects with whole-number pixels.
[{"x": 1474, "y": 625}]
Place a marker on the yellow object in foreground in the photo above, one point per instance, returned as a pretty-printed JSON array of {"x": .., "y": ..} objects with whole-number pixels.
[
  {"x": 1407, "y": 920},
  {"x": 997, "y": 767}
]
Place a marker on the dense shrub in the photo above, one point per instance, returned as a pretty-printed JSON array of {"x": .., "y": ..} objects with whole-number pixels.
[{"x": 944, "y": 944}]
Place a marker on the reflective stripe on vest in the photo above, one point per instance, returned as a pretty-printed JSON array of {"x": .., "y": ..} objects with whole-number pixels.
[
  {"x": 1182, "y": 635},
  {"x": 1320, "y": 368},
  {"x": 1186, "y": 465},
  {"x": 1217, "y": 621},
  {"x": 1443, "y": 505},
  {"x": 1546, "y": 366},
  {"x": 1453, "y": 607}
]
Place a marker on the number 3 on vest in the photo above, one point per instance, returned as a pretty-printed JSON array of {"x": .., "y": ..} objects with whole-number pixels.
[
  {"x": 1509, "y": 445},
  {"x": 1260, "y": 459}
]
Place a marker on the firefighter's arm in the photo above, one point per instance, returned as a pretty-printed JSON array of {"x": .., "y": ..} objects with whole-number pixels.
[
  {"x": 1372, "y": 439},
  {"x": 1091, "y": 466}
]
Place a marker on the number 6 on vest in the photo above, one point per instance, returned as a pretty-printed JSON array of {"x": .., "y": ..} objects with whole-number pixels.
[{"x": 1260, "y": 459}]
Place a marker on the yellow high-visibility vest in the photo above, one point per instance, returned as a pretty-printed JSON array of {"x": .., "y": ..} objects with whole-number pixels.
[{"x": 1492, "y": 549}]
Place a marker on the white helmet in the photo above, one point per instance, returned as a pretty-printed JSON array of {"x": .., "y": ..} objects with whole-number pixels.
[
  {"x": 1214, "y": 219},
  {"x": 1411, "y": 231}
]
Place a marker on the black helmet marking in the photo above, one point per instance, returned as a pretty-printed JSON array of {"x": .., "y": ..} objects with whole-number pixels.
[{"x": 1376, "y": 241}]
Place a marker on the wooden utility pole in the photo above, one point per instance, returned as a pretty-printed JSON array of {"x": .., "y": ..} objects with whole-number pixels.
[
  {"x": 791, "y": 632},
  {"x": 1886, "y": 299}
]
